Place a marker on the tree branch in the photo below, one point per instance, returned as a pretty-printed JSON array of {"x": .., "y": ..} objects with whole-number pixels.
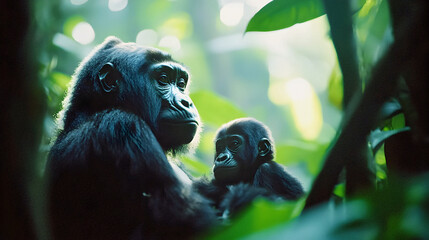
[{"x": 363, "y": 117}]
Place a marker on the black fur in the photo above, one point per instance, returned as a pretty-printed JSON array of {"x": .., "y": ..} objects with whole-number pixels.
[
  {"x": 257, "y": 174},
  {"x": 108, "y": 174}
]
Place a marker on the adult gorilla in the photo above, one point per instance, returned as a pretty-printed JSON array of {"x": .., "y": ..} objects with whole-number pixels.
[
  {"x": 108, "y": 174},
  {"x": 244, "y": 168}
]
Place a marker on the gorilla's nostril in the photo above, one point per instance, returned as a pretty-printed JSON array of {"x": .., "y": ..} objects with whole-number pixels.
[
  {"x": 185, "y": 103},
  {"x": 222, "y": 157}
]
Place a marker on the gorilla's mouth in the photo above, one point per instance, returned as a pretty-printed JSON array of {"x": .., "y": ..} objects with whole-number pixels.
[
  {"x": 177, "y": 132},
  {"x": 225, "y": 168},
  {"x": 180, "y": 122},
  {"x": 168, "y": 116}
]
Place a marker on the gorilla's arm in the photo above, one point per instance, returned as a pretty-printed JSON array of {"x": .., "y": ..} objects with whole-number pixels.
[
  {"x": 240, "y": 196},
  {"x": 210, "y": 189},
  {"x": 274, "y": 178},
  {"x": 230, "y": 199}
]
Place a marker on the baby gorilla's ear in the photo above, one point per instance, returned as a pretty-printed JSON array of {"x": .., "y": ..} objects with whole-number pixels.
[{"x": 264, "y": 147}]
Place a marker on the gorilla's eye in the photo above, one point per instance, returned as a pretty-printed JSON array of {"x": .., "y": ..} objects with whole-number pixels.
[
  {"x": 163, "y": 78},
  {"x": 233, "y": 144},
  {"x": 181, "y": 84}
]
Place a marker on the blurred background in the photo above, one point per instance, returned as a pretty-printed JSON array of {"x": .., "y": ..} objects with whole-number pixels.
[{"x": 288, "y": 79}]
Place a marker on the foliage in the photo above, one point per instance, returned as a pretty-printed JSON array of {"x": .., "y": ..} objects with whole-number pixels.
[
  {"x": 280, "y": 14},
  {"x": 403, "y": 216},
  {"x": 256, "y": 219},
  {"x": 231, "y": 81},
  {"x": 399, "y": 211},
  {"x": 378, "y": 214}
]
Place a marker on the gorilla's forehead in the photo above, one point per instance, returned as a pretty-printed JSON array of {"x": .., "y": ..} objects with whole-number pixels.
[
  {"x": 248, "y": 128},
  {"x": 144, "y": 58},
  {"x": 155, "y": 55},
  {"x": 236, "y": 129},
  {"x": 169, "y": 65},
  {"x": 133, "y": 53}
]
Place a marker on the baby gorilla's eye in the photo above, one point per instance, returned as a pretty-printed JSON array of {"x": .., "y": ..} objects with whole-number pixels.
[{"x": 233, "y": 144}]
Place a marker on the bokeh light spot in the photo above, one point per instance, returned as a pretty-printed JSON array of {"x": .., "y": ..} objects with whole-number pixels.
[
  {"x": 276, "y": 93},
  {"x": 231, "y": 13},
  {"x": 78, "y": 2},
  {"x": 83, "y": 33},
  {"x": 180, "y": 26},
  {"x": 147, "y": 37},
  {"x": 117, "y": 5},
  {"x": 305, "y": 105},
  {"x": 258, "y": 4},
  {"x": 306, "y": 108},
  {"x": 170, "y": 42}
]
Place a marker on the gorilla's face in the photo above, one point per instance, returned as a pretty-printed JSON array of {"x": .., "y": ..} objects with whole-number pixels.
[
  {"x": 242, "y": 146},
  {"x": 148, "y": 82},
  {"x": 178, "y": 119}
]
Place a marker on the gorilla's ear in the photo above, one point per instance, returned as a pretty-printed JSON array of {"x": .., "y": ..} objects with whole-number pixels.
[
  {"x": 109, "y": 77},
  {"x": 264, "y": 147},
  {"x": 111, "y": 41}
]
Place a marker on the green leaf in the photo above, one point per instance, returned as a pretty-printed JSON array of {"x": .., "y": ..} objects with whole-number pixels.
[
  {"x": 390, "y": 109},
  {"x": 261, "y": 215},
  {"x": 340, "y": 190},
  {"x": 377, "y": 137},
  {"x": 398, "y": 121},
  {"x": 280, "y": 14},
  {"x": 215, "y": 110}
]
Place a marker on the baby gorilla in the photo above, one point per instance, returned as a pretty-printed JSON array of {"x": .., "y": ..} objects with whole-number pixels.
[{"x": 244, "y": 168}]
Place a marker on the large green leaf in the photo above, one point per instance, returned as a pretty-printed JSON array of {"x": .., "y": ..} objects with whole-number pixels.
[
  {"x": 280, "y": 14},
  {"x": 260, "y": 215},
  {"x": 215, "y": 110}
]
